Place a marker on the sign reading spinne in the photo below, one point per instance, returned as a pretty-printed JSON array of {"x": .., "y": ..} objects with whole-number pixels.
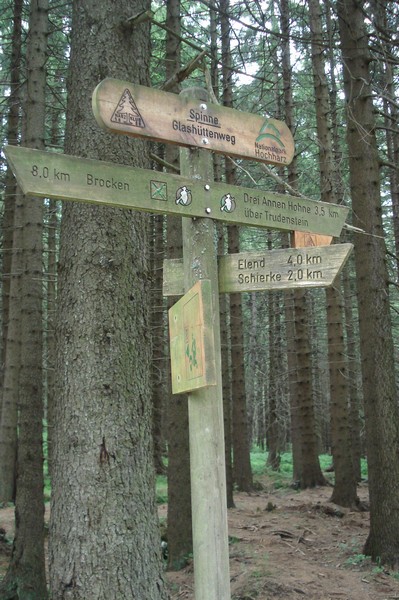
[{"x": 139, "y": 111}]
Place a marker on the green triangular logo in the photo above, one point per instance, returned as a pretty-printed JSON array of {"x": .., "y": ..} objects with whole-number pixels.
[{"x": 270, "y": 131}]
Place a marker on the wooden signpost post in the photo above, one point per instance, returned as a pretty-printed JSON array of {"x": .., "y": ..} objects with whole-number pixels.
[{"x": 190, "y": 121}]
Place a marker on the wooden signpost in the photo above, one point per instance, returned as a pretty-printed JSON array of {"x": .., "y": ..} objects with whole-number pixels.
[
  {"x": 190, "y": 121},
  {"x": 139, "y": 111},
  {"x": 268, "y": 270},
  {"x": 54, "y": 175}
]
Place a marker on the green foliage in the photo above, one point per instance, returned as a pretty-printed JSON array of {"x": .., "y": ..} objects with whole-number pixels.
[
  {"x": 283, "y": 477},
  {"x": 357, "y": 560}
]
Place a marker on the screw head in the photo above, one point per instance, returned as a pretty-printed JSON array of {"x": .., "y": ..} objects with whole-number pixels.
[
  {"x": 207, "y": 187},
  {"x": 203, "y": 106},
  {"x": 205, "y": 141},
  {"x": 208, "y": 211}
]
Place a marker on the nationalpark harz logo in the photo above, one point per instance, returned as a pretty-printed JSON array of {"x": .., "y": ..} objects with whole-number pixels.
[{"x": 269, "y": 145}]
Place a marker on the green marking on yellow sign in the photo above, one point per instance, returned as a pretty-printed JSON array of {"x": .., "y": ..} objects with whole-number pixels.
[
  {"x": 192, "y": 347},
  {"x": 53, "y": 175},
  {"x": 139, "y": 111}
]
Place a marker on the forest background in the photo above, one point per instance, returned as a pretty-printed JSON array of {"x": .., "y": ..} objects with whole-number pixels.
[{"x": 84, "y": 328}]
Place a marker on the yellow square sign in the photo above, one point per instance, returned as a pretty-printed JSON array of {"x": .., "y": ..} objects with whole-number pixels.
[{"x": 192, "y": 348}]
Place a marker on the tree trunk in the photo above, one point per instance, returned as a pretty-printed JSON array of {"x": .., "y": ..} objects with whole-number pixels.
[
  {"x": 387, "y": 77},
  {"x": 344, "y": 492},
  {"x": 272, "y": 418},
  {"x": 224, "y": 299},
  {"x": 104, "y": 536},
  {"x": 52, "y": 250},
  {"x": 380, "y": 397},
  {"x": 180, "y": 538},
  {"x": 10, "y": 346},
  {"x": 159, "y": 362},
  {"x": 308, "y": 473},
  {"x": 241, "y": 449},
  {"x": 25, "y": 578}
]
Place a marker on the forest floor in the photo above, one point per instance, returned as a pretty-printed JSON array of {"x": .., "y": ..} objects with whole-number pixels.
[
  {"x": 284, "y": 544},
  {"x": 291, "y": 545}
]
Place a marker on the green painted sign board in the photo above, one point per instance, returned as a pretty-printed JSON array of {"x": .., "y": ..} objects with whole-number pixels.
[
  {"x": 192, "y": 348},
  {"x": 53, "y": 175},
  {"x": 140, "y": 111}
]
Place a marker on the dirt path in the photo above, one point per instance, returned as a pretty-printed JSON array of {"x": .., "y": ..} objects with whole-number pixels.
[
  {"x": 286, "y": 545},
  {"x": 300, "y": 549}
]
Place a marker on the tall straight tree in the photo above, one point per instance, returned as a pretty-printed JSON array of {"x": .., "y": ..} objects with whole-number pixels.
[
  {"x": 391, "y": 109},
  {"x": 345, "y": 481},
  {"x": 11, "y": 270},
  {"x": 351, "y": 323},
  {"x": 376, "y": 344},
  {"x": 25, "y": 577},
  {"x": 241, "y": 450},
  {"x": 104, "y": 540},
  {"x": 180, "y": 539},
  {"x": 306, "y": 462}
]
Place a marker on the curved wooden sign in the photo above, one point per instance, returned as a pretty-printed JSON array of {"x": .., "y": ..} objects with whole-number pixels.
[{"x": 139, "y": 111}]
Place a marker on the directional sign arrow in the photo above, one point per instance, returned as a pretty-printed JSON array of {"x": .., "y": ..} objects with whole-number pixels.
[
  {"x": 139, "y": 111},
  {"x": 53, "y": 175},
  {"x": 270, "y": 270}
]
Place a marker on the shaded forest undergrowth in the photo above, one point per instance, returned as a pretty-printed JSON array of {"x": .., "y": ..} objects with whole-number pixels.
[
  {"x": 284, "y": 544},
  {"x": 291, "y": 544}
]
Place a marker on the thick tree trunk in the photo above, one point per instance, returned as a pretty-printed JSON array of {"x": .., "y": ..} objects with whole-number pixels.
[
  {"x": 105, "y": 540},
  {"x": 380, "y": 394}
]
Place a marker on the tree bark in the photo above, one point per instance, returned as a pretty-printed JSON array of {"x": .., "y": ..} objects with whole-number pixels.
[
  {"x": 241, "y": 448},
  {"x": 25, "y": 578},
  {"x": 104, "y": 536},
  {"x": 344, "y": 492},
  {"x": 180, "y": 539},
  {"x": 377, "y": 352},
  {"x": 11, "y": 271},
  {"x": 308, "y": 472}
]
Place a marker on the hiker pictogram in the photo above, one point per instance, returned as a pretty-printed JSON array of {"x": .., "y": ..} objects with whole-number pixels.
[
  {"x": 127, "y": 113},
  {"x": 183, "y": 196},
  {"x": 227, "y": 203}
]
